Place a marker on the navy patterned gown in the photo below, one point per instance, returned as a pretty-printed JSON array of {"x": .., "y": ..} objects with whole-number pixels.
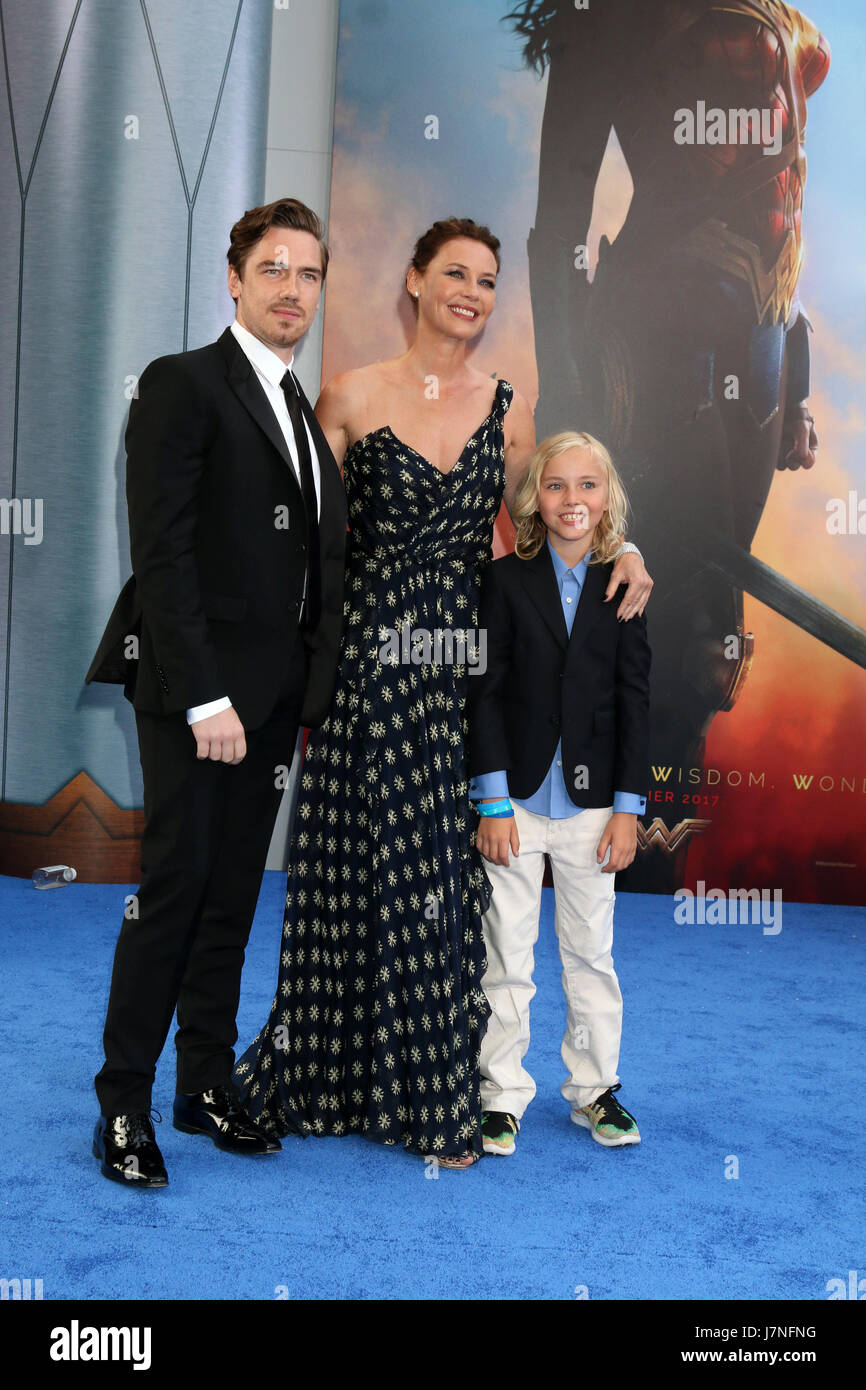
[{"x": 379, "y": 1013}]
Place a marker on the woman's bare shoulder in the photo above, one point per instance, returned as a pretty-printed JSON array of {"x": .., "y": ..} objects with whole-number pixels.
[
  {"x": 345, "y": 387},
  {"x": 518, "y": 406},
  {"x": 352, "y": 389}
]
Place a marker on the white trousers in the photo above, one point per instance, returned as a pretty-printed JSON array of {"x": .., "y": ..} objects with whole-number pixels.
[{"x": 584, "y": 927}]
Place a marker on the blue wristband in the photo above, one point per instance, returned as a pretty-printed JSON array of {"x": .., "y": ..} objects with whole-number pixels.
[{"x": 497, "y": 809}]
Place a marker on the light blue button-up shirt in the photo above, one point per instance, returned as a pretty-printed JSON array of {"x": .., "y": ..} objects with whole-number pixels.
[{"x": 552, "y": 798}]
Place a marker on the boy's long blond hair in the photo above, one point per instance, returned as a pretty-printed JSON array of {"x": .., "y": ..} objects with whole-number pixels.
[{"x": 531, "y": 530}]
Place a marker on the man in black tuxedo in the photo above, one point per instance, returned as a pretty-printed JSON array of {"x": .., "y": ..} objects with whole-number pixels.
[{"x": 226, "y": 639}]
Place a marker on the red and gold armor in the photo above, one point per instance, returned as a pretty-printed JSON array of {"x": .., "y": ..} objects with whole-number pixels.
[{"x": 778, "y": 59}]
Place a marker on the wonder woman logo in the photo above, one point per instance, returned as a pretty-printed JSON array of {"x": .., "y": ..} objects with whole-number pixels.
[{"x": 658, "y": 833}]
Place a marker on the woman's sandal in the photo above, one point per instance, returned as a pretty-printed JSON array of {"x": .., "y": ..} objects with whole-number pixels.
[{"x": 457, "y": 1161}]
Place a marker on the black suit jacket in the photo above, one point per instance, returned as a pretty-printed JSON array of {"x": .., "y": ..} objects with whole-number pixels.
[
  {"x": 218, "y": 535},
  {"x": 590, "y": 689}
]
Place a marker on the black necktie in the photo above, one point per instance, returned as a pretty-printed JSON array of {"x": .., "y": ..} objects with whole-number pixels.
[{"x": 308, "y": 490}]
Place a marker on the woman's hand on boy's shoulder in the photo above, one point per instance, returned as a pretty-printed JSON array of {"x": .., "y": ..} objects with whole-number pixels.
[{"x": 630, "y": 570}]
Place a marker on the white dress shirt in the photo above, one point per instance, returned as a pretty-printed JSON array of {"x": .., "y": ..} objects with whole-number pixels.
[{"x": 270, "y": 370}]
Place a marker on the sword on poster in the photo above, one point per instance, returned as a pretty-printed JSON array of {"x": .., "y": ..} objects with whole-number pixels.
[{"x": 748, "y": 573}]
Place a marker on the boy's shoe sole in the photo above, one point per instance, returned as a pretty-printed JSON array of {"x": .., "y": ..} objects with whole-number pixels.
[{"x": 491, "y": 1147}]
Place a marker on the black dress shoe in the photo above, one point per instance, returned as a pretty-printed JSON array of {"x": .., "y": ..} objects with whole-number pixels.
[
  {"x": 128, "y": 1152},
  {"x": 219, "y": 1114}
]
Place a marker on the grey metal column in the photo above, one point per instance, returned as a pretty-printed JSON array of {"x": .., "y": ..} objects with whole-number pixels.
[
  {"x": 132, "y": 137},
  {"x": 300, "y": 141}
]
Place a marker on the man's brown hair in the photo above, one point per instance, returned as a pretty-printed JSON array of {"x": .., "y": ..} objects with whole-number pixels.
[{"x": 285, "y": 212}]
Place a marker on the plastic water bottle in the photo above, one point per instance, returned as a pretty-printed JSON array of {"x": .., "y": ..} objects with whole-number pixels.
[{"x": 53, "y": 877}]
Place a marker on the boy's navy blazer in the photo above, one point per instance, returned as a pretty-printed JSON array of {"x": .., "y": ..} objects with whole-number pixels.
[{"x": 590, "y": 689}]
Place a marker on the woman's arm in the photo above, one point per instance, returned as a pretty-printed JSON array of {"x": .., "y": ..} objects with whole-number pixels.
[
  {"x": 337, "y": 410},
  {"x": 519, "y": 445}
]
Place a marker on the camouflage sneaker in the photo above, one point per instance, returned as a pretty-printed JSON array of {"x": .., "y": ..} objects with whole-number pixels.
[
  {"x": 609, "y": 1122},
  {"x": 498, "y": 1131}
]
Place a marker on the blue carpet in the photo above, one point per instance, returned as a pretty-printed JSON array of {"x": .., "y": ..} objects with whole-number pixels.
[{"x": 736, "y": 1044}]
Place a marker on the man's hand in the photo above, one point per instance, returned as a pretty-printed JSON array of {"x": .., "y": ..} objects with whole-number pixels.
[
  {"x": 630, "y": 570},
  {"x": 620, "y": 834},
  {"x": 220, "y": 738},
  {"x": 799, "y": 440},
  {"x": 495, "y": 835}
]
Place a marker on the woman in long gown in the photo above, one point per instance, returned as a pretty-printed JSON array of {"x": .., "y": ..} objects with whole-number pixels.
[{"x": 378, "y": 1015}]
